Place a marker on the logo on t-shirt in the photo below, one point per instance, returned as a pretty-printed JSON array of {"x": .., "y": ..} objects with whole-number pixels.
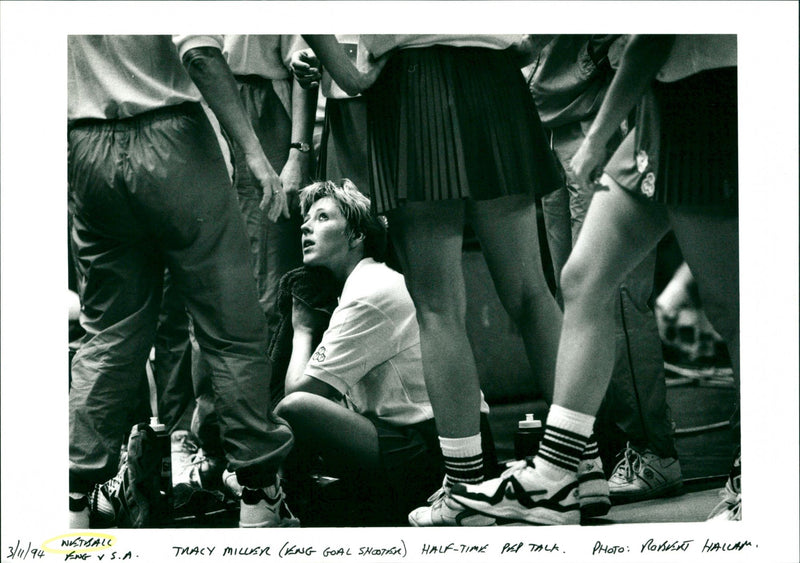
[{"x": 319, "y": 355}]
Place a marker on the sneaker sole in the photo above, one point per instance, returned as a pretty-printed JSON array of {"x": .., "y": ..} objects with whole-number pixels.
[
  {"x": 464, "y": 521},
  {"x": 594, "y": 507},
  {"x": 537, "y": 516},
  {"x": 295, "y": 523},
  {"x": 593, "y": 497},
  {"x": 510, "y": 514},
  {"x": 668, "y": 491}
]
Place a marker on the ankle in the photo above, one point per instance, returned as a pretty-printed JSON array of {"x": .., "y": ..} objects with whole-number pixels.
[{"x": 551, "y": 471}]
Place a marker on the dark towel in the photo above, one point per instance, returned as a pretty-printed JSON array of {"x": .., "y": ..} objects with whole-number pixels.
[{"x": 316, "y": 287}]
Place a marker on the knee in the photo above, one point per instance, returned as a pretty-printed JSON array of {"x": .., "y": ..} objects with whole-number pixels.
[
  {"x": 293, "y": 406},
  {"x": 522, "y": 305},
  {"x": 582, "y": 282},
  {"x": 439, "y": 309}
]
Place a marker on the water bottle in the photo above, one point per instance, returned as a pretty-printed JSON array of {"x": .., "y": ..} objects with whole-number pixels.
[
  {"x": 528, "y": 436},
  {"x": 164, "y": 444}
]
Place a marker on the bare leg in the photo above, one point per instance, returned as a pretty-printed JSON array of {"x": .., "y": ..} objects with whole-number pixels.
[
  {"x": 710, "y": 245},
  {"x": 618, "y": 233},
  {"x": 506, "y": 228},
  {"x": 345, "y": 439},
  {"x": 428, "y": 240}
]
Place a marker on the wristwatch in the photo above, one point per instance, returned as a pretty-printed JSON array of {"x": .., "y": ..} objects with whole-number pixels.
[{"x": 302, "y": 147}]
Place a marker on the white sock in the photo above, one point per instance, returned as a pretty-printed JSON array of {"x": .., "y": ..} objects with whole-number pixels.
[
  {"x": 463, "y": 459},
  {"x": 566, "y": 435}
]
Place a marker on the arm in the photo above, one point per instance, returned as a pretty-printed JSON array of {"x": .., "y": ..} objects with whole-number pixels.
[
  {"x": 297, "y": 170},
  {"x": 642, "y": 59},
  {"x": 335, "y": 60},
  {"x": 306, "y": 68},
  {"x": 214, "y": 79},
  {"x": 306, "y": 325}
]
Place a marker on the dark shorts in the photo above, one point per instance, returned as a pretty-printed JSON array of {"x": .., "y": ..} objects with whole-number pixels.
[
  {"x": 451, "y": 123},
  {"x": 684, "y": 148}
]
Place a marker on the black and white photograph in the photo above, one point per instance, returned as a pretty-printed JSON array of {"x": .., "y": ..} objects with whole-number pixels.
[{"x": 413, "y": 292}]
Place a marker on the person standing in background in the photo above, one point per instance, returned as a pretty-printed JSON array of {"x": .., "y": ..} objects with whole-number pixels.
[
  {"x": 148, "y": 188},
  {"x": 454, "y": 138},
  {"x": 677, "y": 170},
  {"x": 568, "y": 83}
]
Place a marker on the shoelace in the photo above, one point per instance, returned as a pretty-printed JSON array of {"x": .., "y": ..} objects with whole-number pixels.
[
  {"x": 730, "y": 502},
  {"x": 438, "y": 497},
  {"x": 514, "y": 467},
  {"x": 729, "y": 495},
  {"x": 632, "y": 463}
]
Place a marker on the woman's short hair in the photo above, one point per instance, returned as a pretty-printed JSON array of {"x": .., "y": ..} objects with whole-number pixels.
[{"x": 355, "y": 208}]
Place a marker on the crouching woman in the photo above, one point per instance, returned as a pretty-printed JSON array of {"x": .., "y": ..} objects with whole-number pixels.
[{"x": 357, "y": 399}]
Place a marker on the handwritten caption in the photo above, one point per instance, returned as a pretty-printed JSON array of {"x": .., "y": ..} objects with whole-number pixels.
[
  {"x": 673, "y": 545},
  {"x": 102, "y": 547},
  {"x": 71, "y": 547}
]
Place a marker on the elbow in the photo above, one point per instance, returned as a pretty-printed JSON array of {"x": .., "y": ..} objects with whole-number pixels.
[
  {"x": 351, "y": 90},
  {"x": 290, "y": 387},
  {"x": 199, "y": 59}
]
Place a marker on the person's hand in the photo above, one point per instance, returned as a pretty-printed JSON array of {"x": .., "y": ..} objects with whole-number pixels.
[
  {"x": 274, "y": 200},
  {"x": 306, "y": 68},
  {"x": 294, "y": 176},
  {"x": 307, "y": 319},
  {"x": 586, "y": 162}
]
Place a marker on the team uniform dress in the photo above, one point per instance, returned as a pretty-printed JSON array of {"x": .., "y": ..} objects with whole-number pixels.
[
  {"x": 450, "y": 117},
  {"x": 686, "y": 153}
]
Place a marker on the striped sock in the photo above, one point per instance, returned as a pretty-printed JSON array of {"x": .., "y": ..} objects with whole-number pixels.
[
  {"x": 591, "y": 450},
  {"x": 565, "y": 438},
  {"x": 463, "y": 459}
]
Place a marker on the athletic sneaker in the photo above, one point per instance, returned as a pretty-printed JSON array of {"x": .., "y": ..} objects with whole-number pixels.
[
  {"x": 104, "y": 501},
  {"x": 132, "y": 497},
  {"x": 442, "y": 510},
  {"x": 730, "y": 505},
  {"x": 523, "y": 494},
  {"x": 79, "y": 513},
  {"x": 644, "y": 475},
  {"x": 266, "y": 508},
  {"x": 593, "y": 491}
]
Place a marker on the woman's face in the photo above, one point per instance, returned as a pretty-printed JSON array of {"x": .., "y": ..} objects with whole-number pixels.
[{"x": 324, "y": 236}]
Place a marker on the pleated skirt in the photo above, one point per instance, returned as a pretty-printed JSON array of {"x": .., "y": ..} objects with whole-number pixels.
[
  {"x": 698, "y": 163},
  {"x": 451, "y": 123},
  {"x": 684, "y": 150}
]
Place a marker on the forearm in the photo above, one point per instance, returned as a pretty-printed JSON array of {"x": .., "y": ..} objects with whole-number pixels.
[
  {"x": 334, "y": 58},
  {"x": 304, "y": 109},
  {"x": 216, "y": 83},
  {"x": 642, "y": 59},
  {"x": 302, "y": 348}
]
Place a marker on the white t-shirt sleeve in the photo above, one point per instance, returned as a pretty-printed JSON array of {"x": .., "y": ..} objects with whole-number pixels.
[
  {"x": 184, "y": 43},
  {"x": 359, "y": 337}
]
